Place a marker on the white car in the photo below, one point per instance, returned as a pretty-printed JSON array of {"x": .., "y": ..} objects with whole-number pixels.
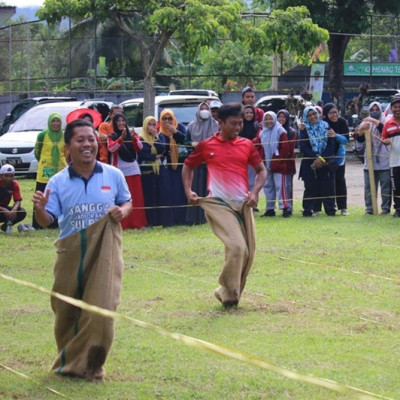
[
  {"x": 17, "y": 145},
  {"x": 183, "y": 106}
]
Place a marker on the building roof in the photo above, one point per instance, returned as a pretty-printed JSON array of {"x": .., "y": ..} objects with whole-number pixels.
[{"x": 6, "y": 12}]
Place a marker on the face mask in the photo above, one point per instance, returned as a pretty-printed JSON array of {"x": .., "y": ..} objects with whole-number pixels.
[
  {"x": 375, "y": 114},
  {"x": 204, "y": 114}
]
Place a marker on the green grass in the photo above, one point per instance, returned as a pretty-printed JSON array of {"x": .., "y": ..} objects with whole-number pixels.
[{"x": 322, "y": 299}]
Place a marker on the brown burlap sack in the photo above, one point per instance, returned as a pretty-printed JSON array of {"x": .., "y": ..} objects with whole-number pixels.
[
  {"x": 88, "y": 267},
  {"x": 234, "y": 225}
]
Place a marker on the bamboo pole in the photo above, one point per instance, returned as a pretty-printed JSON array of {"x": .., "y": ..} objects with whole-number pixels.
[{"x": 372, "y": 185}]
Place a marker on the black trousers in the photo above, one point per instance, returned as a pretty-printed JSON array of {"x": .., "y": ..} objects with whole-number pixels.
[
  {"x": 341, "y": 188},
  {"x": 395, "y": 174},
  {"x": 21, "y": 214},
  {"x": 319, "y": 185}
]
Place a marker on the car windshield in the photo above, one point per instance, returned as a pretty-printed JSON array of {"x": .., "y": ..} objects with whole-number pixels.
[
  {"x": 384, "y": 100},
  {"x": 381, "y": 96},
  {"x": 184, "y": 112},
  {"x": 272, "y": 104},
  {"x": 36, "y": 118}
]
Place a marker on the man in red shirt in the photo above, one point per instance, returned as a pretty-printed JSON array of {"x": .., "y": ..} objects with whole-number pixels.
[
  {"x": 391, "y": 136},
  {"x": 229, "y": 206},
  {"x": 9, "y": 189}
]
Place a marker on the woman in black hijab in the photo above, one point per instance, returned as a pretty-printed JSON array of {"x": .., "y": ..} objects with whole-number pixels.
[{"x": 339, "y": 129}]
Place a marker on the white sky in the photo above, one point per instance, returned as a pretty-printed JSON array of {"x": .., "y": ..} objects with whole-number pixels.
[{"x": 24, "y": 3}]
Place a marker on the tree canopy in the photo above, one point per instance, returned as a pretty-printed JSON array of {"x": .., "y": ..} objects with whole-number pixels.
[
  {"x": 195, "y": 24},
  {"x": 340, "y": 18},
  {"x": 152, "y": 23}
]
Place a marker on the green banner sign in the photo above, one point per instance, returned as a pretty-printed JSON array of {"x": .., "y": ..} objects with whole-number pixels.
[{"x": 378, "y": 69}]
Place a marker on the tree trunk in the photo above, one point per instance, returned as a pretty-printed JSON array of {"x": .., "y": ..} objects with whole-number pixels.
[
  {"x": 274, "y": 81},
  {"x": 337, "y": 45},
  {"x": 149, "y": 97},
  {"x": 148, "y": 82}
]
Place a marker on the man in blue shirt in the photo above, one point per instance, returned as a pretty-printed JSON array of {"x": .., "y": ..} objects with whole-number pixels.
[
  {"x": 89, "y": 199},
  {"x": 86, "y": 190}
]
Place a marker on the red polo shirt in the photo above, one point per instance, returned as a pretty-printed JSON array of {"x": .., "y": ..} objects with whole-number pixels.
[
  {"x": 6, "y": 194},
  {"x": 227, "y": 162}
]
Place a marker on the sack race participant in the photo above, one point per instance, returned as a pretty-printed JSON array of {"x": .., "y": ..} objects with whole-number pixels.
[{"x": 90, "y": 199}]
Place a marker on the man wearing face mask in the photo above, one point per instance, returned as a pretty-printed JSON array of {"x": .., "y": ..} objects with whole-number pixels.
[
  {"x": 203, "y": 127},
  {"x": 373, "y": 126}
]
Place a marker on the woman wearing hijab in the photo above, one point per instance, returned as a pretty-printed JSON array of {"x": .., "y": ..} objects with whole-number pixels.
[
  {"x": 284, "y": 119},
  {"x": 203, "y": 127},
  {"x": 49, "y": 151},
  {"x": 276, "y": 148},
  {"x": 150, "y": 158},
  {"x": 317, "y": 164},
  {"x": 251, "y": 131},
  {"x": 339, "y": 130},
  {"x": 123, "y": 147},
  {"x": 373, "y": 126},
  {"x": 250, "y": 125},
  {"x": 172, "y": 135}
]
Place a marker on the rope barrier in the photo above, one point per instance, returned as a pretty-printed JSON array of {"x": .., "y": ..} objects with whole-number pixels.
[
  {"x": 210, "y": 347},
  {"x": 32, "y": 380},
  {"x": 342, "y": 269},
  {"x": 195, "y": 279}
]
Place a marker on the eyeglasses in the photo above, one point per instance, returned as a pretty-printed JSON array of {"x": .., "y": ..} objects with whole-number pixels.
[
  {"x": 333, "y": 112},
  {"x": 166, "y": 118}
]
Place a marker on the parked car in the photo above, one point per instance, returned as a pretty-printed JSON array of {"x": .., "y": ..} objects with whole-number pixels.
[
  {"x": 383, "y": 96},
  {"x": 17, "y": 145},
  {"x": 183, "y": 106},
  {"x": 193, "y": 92},
  {"x": 24, "y": 105},
  {"x": 278, "y": 102}
]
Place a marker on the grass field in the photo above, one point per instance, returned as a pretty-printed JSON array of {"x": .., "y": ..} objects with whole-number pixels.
[{"x": 321, "y": 300}]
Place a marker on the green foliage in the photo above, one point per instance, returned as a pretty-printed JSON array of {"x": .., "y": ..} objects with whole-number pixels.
[
  {"x": 342, "y": 16},
  {"x": 383, "y": 29},
  {"x": 151, "y": 25},
  {"x": 284, "y": 28},
  {"x": 230, "y": 60}
]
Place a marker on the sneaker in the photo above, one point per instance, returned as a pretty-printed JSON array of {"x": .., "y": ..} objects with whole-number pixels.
[
  {"x": 396, "y": 214},
  {"x": 315, "y": 214},
  {"x": 286, "y": 213},
  {"x": 269, "y": 213},
  {"x": 22, "y": 228},
  {"x": 384, "y": 212},
  {"x": 255, "y": 209},
  {"x": 368, "y": 212},
  {"x": 344, "y": 212},
  {"x": 29, "y": 227}
]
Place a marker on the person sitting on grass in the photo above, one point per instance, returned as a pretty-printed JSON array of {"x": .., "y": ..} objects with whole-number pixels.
[{"x": 9, "y": 188}]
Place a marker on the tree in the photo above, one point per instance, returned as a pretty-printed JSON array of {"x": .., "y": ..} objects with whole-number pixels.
[
  {"x": 151, "y": 24},
  {"x": 258, "y": 38},
  {"x": 225, "y": 60},
  {"x": 281, "y": 32},
  {"x": 341, "y": 18}
]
